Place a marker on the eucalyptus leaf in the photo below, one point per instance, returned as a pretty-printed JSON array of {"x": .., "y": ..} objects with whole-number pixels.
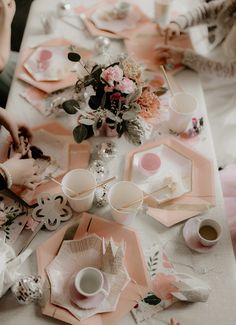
[
  {"x": 86, "y": 121},
  {"x": 135, "y": 107},
  {"x": 111, "y": 116},
  {"x": 71, "y": 106},
  {"x": 129, "y": 115},
  {"x": 80, "y": 133},
  {"x": 74, "y": 57}
]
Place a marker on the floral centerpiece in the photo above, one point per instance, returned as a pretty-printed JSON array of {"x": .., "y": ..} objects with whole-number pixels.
[{"x": 117, "y": 100}]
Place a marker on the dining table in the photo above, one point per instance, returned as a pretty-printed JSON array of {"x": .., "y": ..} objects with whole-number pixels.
[{"x": 217, "y": 268}]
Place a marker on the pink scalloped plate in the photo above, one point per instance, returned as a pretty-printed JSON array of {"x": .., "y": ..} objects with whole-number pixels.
[
  {"x": 134, "y": 263},
  {"x": 126, "y": 33},
  {"x": 191, "y": 238}
]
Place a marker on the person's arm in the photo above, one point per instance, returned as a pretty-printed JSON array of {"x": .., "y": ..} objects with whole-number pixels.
[
  {"x": 203, "y": 14},
  {"x": 7, "y": 11},
  {"x": 200, "y": 63}
]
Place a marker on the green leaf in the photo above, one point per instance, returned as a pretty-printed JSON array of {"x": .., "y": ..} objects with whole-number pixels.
[
  {"x": 161, "y": 91},
  {"x": 96, "y": 73},
  {"x": 86, "y": 121},
  {"x": 74, "y": 57},
  {"x": 129, "y": 115},
  {"x": 152, "y": 300},
  {"x": 80, "y": 133},
  {"x": 71, "y": 106}
]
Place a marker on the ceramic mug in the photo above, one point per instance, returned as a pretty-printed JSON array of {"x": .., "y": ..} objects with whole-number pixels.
[
  {"x": 89, "y": 282},
  {"x": 79, "y": 180},
  {"x": 120, "y": 196},
  {"x": 182, "y": 107},
  {"x": 209, "y": 232}
]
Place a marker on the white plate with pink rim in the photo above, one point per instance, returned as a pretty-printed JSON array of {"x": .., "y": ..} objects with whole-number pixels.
[
  {"x": 73, "y": 256},
  {"x": 173, "y": 166},
  {"x": 88, "y": 302},
  {"x": 191, "y": 238},
  {"x": 102, "y": 21}
]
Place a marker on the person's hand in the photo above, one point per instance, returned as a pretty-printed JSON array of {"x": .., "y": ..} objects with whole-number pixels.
[
  {"x": 7, "y": 10},
  {"x": 23, "y": 171},
  {"x": 170, "y": 55},
  {"x": 15, "y": 129},
  {"x": 171, "y": 31},
  {"x": 172, "y": 322}
]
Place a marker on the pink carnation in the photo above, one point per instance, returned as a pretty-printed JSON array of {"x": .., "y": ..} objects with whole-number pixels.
[
  {"x": 112, "y": 74},
  {"x": 126, "y": 86}
]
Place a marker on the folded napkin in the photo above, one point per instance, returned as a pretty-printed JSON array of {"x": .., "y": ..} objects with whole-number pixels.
[
  {"x": 167, "y": 286},
  {"x": 9, "y": 264}
]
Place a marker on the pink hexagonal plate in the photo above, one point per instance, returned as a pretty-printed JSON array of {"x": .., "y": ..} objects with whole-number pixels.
[{"x": 201, "y": 195}]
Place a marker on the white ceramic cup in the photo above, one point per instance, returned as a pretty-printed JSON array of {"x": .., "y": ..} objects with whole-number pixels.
[
  {"x": 182, "y": 107},
  {"x": 209, "y": 232},
  {"x": 79, "y": 180},
  {"x": 162, "y": 11},
  {"x": 89, "y": 282},
  {"x": 121, "y": 194}
]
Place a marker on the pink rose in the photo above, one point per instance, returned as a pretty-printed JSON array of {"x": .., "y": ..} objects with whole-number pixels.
[
  {"x": 112, "y": 74},
  {"x": 126, "y": 86},
  {"x": 163, "y": 285}
]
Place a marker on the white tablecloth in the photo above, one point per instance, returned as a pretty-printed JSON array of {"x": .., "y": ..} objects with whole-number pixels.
[{"x": 217, "y": 268}]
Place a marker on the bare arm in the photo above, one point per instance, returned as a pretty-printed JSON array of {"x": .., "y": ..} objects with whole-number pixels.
[{"x": 7, "y": 11}]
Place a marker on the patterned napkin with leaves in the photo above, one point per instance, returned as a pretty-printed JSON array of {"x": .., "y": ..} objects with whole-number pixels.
[
  {"x": 162, "y": 274},
  {"x": 13, "y": 218}
]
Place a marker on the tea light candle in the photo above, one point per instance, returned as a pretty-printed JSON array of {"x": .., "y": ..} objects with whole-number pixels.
[{"x": 149, "y": 163}]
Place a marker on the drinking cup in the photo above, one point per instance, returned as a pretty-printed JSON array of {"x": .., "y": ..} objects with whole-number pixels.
[
  {"x": 124, "y": 199},
  {"x": 182, "y": 107},
  {"x": 89, "y": 281},
  {"x": 162, "y": 11},
  {"x": 76, "y": 181},
  {"x": 209, "y": 232}
]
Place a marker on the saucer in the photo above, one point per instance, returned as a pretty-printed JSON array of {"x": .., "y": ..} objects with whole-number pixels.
[
  {"x": 88, "y": 302},
  {"x": 191, "y": 238}
]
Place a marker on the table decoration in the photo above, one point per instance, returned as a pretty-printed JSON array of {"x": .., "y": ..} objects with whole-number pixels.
[
  {"x": 199, "y": 188},
  {"x": 55, "y": 142},
  {"x": 115, "y": 101},
  {"x": 73, "y": 256},
  {"x": 27, "y": 289},
  {"x": 49, "y": 86},
  {"x": 90, "y": 224},
  {"x": 51, "y": 210}
]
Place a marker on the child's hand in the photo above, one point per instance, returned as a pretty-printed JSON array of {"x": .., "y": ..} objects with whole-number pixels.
[
  {"x": 14, "y": 128},
  {"x": 171, "y": 31},
  {"x": 7, "y": 10},
  {"x": 170, "y": 55},
  {"x": 172, "y": 322},
  {"x": 23, "y": 171}
]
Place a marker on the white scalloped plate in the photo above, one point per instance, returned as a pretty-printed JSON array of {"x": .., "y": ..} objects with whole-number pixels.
[{"x": 72, "y": 257}]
